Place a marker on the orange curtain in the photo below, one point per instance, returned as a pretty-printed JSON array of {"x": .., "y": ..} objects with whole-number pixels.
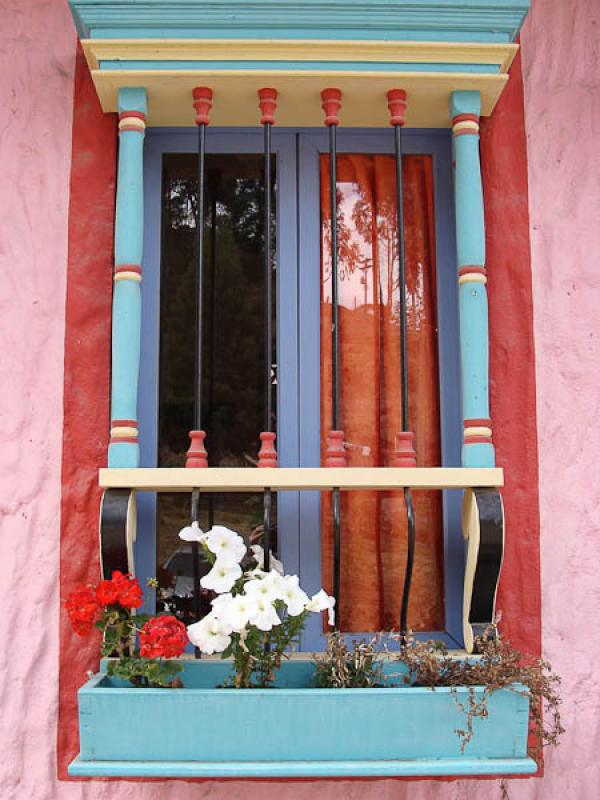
[{"x": 374, "y": 523}]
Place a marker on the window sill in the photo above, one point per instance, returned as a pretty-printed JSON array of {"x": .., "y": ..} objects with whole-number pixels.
[
  {"x": 246, "y": 479},
  {"x": 202, "y": 731}
]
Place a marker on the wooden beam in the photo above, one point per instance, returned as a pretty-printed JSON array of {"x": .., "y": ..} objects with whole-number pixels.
[
  {"x": 246, "y": 479},
  {"x": 298, "y": 103}
]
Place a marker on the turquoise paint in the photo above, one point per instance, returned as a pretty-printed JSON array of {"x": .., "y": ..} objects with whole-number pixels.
[
  {"x": 133, "y": 98},
  {"x": 470, "y": 240},
  {"x": 320, "y": 732},
  {"x": 301, "y": 769},
  {"x": 425, "y": 20},
  {"x": 465, "y": 102},
  {"x": 129, "y": 219},
  {"x": 302, "y": 66},
  {"x": 123, "y": 454},
  {"x": 473, "y": 315},
  {"x": 473, "y": 304},
  {"x": 126, "y": 339},
  {"x": 127, "y": 300},
  {"x": 480, "y": 454},
  {"x": 329, "y": 33}
]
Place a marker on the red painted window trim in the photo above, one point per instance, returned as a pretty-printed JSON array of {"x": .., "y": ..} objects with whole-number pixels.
[
  {"x": 87, "y": 380},
  {"x": 87, "y": 370},
  {"x": 512, "y": 365}
]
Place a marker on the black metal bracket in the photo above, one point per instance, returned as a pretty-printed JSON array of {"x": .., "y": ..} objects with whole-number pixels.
[
  {"x": 118, "y": 528},
  {"x": 483, "y": 530}
]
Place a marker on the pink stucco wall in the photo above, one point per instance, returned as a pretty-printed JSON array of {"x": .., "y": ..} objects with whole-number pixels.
[{"x": 561, "y": 60}]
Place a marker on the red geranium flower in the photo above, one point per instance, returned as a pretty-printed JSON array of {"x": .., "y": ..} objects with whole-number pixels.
[
  {"x": 107, "y": 593},
  {"x": 82, "y": 609},
  {"x": 163, "y": 637},
  {"x": 129, "y": 591}
]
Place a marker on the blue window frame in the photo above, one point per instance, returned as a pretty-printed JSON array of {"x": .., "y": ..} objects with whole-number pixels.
[{"x": 298, "y": 344}]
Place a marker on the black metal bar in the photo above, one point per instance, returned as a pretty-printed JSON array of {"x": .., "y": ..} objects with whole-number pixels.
[
  {"x": 268, "y": 291},
  {"x": 195, "y": 554},
  {"x": 337, "y": 547},
  {"x": 401, "y": 276},
  {"x": 410, "y": 514},
  {"x": 268, "y": 288},
  {"x": 335, "y": 366},
  {"x": 195, "y": 506},
  {"x": 212, "y": 334},
  {"x": 199, "y": 276},
  {"x": 267, "y": 502}
]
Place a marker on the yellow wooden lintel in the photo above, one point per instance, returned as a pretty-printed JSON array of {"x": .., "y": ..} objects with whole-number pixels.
[
  {"x": 244, "y": 479},
  {"x": 299, "y": 102}
]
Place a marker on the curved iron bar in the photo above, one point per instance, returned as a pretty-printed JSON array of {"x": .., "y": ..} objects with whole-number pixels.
[
  {"x": 410, "y": 559},
  {"x": 410, "y": 514}
]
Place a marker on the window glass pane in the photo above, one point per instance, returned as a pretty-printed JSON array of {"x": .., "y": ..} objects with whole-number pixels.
[
  {"x": 233, "y": 346},
  {"x": 374, "y": 523}
]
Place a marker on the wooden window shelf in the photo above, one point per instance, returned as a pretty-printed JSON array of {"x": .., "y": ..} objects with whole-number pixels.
[{"x": 247, "y": 479}]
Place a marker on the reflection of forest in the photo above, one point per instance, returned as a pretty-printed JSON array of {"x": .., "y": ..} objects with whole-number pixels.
[
  {"x": 232, "y": 321},
  {"x": 368, "y": 265}
]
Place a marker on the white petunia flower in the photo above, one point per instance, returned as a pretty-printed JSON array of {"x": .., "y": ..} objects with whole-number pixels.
[
  {"x": 322, "y": 602},
  {"x": 265, "y": 616},
  {"x": 259, "y": 555},
  {"x": 220, "y": 602},
  {"x": 267, "y": 588},
  {"x": 293, "y": 596},
  {"x": 222, "y": 576},
  {"x": 193, "y": 533},
  {"x": 227, "y": 545},
  {"x": 210, "y": 635},
  {"x": 275, "y": 581},
  {"x": 238, "y": 611}
]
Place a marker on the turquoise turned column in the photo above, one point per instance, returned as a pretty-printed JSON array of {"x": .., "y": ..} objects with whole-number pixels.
[
  {"x": 123, "y": 450},
  {"x": 478, "y": 449}
]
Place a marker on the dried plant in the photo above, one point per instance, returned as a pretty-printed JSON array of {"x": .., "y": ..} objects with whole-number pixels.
[
  {"x": 344, "y": 667},
  {"x": 498, "y": 666}
]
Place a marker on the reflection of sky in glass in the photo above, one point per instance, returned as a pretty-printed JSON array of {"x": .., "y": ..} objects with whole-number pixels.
[{"x": 368, "y": 257}]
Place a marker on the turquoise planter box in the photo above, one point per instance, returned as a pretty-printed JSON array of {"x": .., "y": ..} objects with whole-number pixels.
[{"x": 292, "y": 731}]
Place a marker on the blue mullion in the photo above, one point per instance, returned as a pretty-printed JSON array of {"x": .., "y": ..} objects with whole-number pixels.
[
  {"x": 288, "y": 503},
  {"x": 449, "y": 372},
  {"x": 309, "y": 277}
]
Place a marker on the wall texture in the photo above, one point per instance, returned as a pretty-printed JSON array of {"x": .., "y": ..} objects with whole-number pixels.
[
  {"x": 561, "y": 58},
  {"x": 37, "y": 54}
]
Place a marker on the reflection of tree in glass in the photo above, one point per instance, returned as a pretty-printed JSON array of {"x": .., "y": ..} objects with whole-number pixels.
[
  {"x": 233, "y": 325},
  {"x": 367, "y": 233}
]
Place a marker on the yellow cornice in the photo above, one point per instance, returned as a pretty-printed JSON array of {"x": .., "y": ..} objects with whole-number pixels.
[
  {"x": 299, "y": 103},
  {"x": 97, "y": 50},
  {"x": 169, "y": 89}
]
